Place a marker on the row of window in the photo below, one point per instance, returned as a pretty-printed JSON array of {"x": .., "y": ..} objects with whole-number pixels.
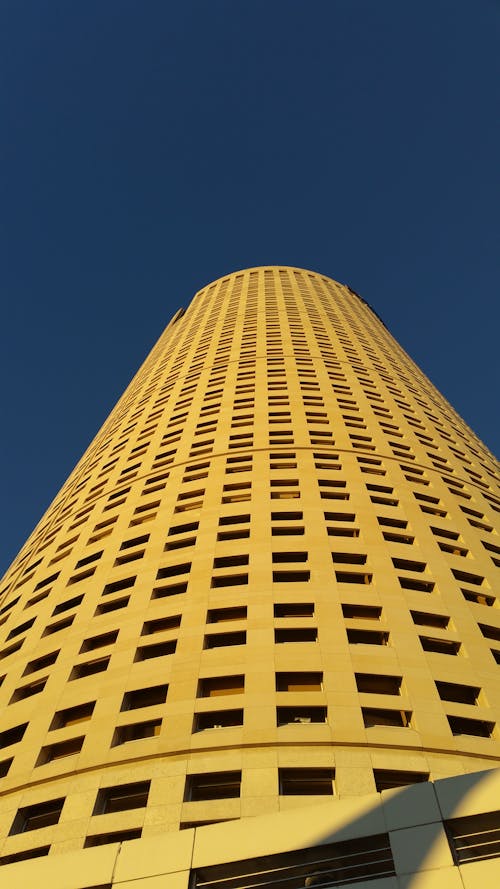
[
  {"x": 291, "y": 714},
  {"x": 471, "y": 838}
]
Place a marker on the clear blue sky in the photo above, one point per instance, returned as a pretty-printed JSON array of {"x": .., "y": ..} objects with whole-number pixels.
[{"x": 150, "y": 146}]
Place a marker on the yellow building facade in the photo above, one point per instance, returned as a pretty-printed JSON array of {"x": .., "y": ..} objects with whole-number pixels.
[{"x": 260, "y": 618}]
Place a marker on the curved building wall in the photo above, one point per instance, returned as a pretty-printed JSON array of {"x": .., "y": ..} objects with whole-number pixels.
[{"x": 270, "y": 580}]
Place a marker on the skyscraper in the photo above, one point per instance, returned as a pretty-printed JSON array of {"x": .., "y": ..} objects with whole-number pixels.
[{"x": 269, "y": 584}]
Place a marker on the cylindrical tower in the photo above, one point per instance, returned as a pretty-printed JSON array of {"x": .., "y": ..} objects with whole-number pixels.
[{"x": 269, "y": 580}]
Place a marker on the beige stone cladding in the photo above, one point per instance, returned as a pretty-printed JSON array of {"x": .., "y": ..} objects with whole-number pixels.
[{"x": 269, "y": 582}]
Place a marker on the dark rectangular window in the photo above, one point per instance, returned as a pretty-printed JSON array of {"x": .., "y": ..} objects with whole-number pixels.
[
  {"x": 362, "y": 612},
  {"x": 306, "y": 782},
  {"x": 291, "y": 576},
  {"x": 159, "y": 649},
  {"x": 12, "y": 735},
  {"x": 21, "y": 628},
  {"x": 334, "y": 864},
  {"x": 367, "y": 637},
  {"x": 373, "y": 683},
  {"x": 172, "y": 589},
  {"x": 113, "y": 605},
  {"x": 298, "y": 634},
  {"x": 41, "y": 663},
  {"x": 386, "y": 779},
  {"x": 37, "y": 816},
  {"x": 101, "y": 641},
  {"x": 27, "y": 691},
  {"x": 221, "y": 615},
  {"x": 67, "y": 605},
  {"x": 440, "y": 646},
  {"x": 424, "y": 619},
  {"x": 89, "y": 668},
  {"x": 72, "y": 715},
  {"x": 117, "y": 585},
  {"x": 117, "y": 836},
  {"x": 161, "y": 624},
  {"x": 299, "y": 681},
  {"x": 475, "y": 837},
  {"x": 59, "y": 751},
  {"x": 460, "y": 725},
  {"x": 294, "y": 609},
  {"x": 144, "y": 697},
  {"x": 462, "y": 694},
  {"x": 375, "y": 717},
  {"x": 122, "y": 798},
  {"x": 213, "y": 785},
  {"x": 217, "y": 719},
  {"x": 300, "y": 715},
  {"x": 353, "y": 577},
  {"x": 214, "y": 686},
  {"x": 136, "y": 731},
  {"x": 219, "y": 640}
]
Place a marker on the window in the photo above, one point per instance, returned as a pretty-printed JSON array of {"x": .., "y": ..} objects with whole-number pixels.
[
  {"x": 410, "y": 583},
  {"x": 299, "y": 634},
  {"x": 117, "y": 836},
  {"x": 373, "y": 683},
  {"x": 219, "y": 640},
  {"x": 101, "y": 641},
  {"x": 213, "y": 785},
  {"x": 362, "y": 612},
  {"x": 88, "y": 559},
  {"x": 220, "y": 615},
  {"x": 214, "y": 686},
  {"x": 424, "y": 619},
  {"x": 306, "y": 782},
  {"x": 462, "y": 694},
  {"x": 122, "y": 798},
  {"x": 171, "y": 589},
  {"x": 349, "y": 558},
  {"x": 144, "y": 697},
  {"x": 117, "y": 585},
  {"x": 113, "y": 605},
  {"x": 89, "y": 668},
  {"x": 225, "y": 580},
  {"x": 294, "y": 609},
  {"x": 12, "y": 735},
  {"x": 461, "y": 726},
  {"x": 291, "y": 576},
  {"x": 72, "y": 715},
  {"x": 159, "y": 649},
  {"x": 333, "y": 864},
  {"x": 27, "y": 691},
  {"x": 353, "y": 577},
  {"x": 231, "y": 561},
  {"x": 440, "y": 646},
  {"x": 300, "y": 715},
  {"x": 386, "y": 779},
  {"x": 59, "y": 751},
  {"x": 37, "y": 816},
  {"x": 21, "y": 628},
  {"x": 466, "y": 577},
  {"x": 136, "y": 731},
  {"x": 5, "y": 765},
  {"x": 41, "y": 663},
  {"x": 373, "y": 717},
  {"x": 490, "y": 632},
  {"x": 161, "y": 624},
  {"x": 478, "y": 598},
  {"x": 217, "y": 719},
  {"x": 66, "y": 606},
  {"x": 299, "y": 681},
  {"x": 367, "y": 637},
  {"x": 475, "y": 837}
]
